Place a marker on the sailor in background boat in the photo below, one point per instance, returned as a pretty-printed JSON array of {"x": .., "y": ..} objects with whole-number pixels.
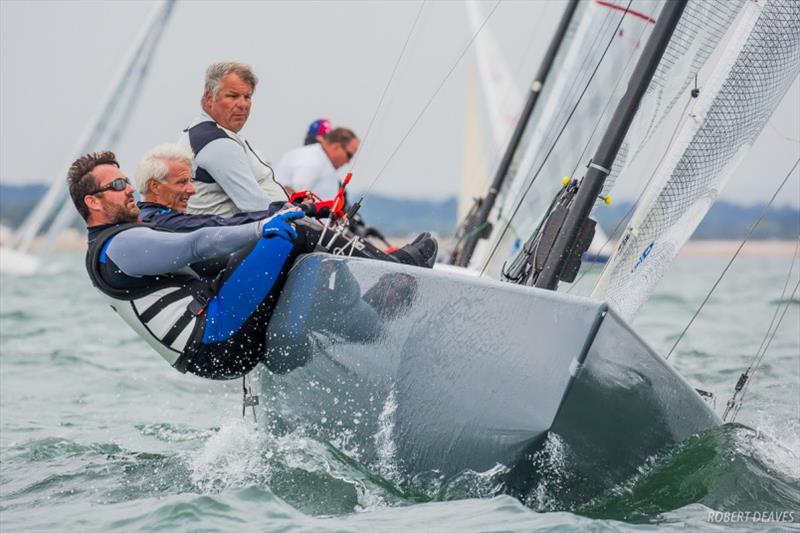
[
  {"x": 164, "y": 179},
  {"x": 212, "y": 325},
  {"x": 230, "y": 176},
  {"x": 314, "y": 167}
]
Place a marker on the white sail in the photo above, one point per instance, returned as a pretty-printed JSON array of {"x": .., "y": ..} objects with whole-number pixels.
[
  {"x": 474, "y": 168},
  {"x": 99, "y": 128},
  {"x": 503, "y": 96},
  {"x": 602, "y": 41},
  {"x": 756, "y": 69}
]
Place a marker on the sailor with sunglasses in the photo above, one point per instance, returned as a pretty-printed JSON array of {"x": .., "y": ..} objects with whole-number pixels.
[
  {"x": 201, "y": 293},
  {"x": 315, "y": 167},
  {"x": 201, "y": 299}
]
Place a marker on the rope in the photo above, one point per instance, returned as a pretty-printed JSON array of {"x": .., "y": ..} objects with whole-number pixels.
[
  {"x": 555, "y": 142},
  {"x": 739, "y": 249},
  {"x": 389, "y": 83},
  {"x": 430, "y": 101}
]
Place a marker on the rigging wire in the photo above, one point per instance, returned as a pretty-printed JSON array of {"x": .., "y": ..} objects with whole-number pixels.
[
  {"x": 430, "y": 101},
  {"x": 555, "y": 141},
  {"x": 739, "y": 249},
  {"x": 746, "y": 378},
  {"x": 783, "y": 294},
  {"x": 389, "y": 83},
  {"x": 606, "y": 109},
  {"x": 625, "y": 218},
  {"x": 507, "y": 220}
]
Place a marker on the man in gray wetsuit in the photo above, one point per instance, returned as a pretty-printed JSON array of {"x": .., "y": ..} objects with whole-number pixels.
[{"x": 201, "y": 299}]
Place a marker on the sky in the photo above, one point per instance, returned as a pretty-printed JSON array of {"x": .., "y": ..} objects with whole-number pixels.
[{"x": 314, "y": 59}]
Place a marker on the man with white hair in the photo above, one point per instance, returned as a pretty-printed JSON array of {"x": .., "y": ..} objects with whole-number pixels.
[
  {"x": 230, "y": 176},
  {"x": 164, "y": 179},
  {"x": 202, "y": 299}
]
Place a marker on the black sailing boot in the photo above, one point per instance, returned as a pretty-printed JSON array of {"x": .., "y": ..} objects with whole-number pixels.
[{"x": 421, "y": 252}]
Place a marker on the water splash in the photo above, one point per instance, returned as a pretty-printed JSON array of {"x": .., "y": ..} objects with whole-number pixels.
[
  {"x": 551, "y": 466},
  {"x": 776, "y": 443},
  {"x": 729, "y": 468},
  {"x": 230, "y": 458},
  {"x": 171, "y": 433},
  {"x": 384, "y": 439}
]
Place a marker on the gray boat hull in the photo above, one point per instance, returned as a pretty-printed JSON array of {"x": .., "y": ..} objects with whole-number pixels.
[{"x": 414, "y": 370}]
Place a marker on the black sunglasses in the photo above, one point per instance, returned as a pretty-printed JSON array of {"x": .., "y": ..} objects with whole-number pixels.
[
  {"x": 119, "y": 184},
  {"x": 346, "y": 151}
]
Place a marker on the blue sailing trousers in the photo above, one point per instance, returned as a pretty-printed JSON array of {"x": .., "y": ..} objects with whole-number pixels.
[{"x": 234, "y": 337}]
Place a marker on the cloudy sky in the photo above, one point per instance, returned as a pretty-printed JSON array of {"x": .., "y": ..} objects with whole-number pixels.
[{"x": 314, "y": 59}]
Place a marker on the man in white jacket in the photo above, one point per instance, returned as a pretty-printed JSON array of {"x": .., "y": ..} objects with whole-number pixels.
[{"x": 314, "y": 167}]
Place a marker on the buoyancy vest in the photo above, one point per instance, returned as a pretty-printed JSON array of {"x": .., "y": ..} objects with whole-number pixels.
[
  {"x": 166, "y": 310},
  {"x": 203, "y": 133}
]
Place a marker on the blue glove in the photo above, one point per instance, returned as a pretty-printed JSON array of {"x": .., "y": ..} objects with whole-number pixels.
[{"x": 279, "y": 225}]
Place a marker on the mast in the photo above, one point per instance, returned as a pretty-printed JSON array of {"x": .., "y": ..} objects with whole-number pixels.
[
  {"x": 127, "y": 76},
  {"x": 586, "y": 193},
  {"x": 472, "y": 225},
  {"x": 118, "y": 113}
]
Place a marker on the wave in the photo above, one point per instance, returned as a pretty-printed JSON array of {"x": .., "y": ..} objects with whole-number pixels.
[{"x": 730, "y": 468}]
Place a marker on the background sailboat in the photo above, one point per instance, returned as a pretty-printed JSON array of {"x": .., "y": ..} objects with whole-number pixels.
[{"x": 102, "y": 132}]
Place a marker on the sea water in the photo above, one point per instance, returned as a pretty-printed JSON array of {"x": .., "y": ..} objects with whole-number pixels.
[{"x": 98, "y": 433}]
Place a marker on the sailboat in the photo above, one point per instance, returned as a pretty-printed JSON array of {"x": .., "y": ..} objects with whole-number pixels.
[
  {"x": 432, "y": 372},
  {"x": 103, "y": 132}
]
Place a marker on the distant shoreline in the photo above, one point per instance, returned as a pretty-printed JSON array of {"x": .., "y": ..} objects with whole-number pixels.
[
  {"x": 74, "y": 240},
  {"x": 768, "y": 248}
]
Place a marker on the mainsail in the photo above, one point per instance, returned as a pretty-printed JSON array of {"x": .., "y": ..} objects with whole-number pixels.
[
  {"x": 600, "y": 50},
  {"x": 753, "y": 74},
  {"x": 502, "y": 100},
  {"x": 104, "y": 129}
]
